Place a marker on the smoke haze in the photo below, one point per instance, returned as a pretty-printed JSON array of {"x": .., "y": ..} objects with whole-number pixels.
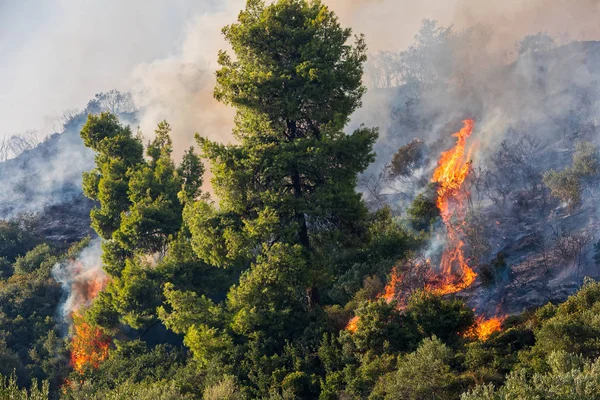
[{"x": 62, "y": 52}]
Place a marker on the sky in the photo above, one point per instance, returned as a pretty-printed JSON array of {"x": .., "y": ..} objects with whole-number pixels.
[{"x": 56, "y": 54}]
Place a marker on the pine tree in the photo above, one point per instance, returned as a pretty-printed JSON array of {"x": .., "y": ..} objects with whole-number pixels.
[{"x": 286, "y": 189}]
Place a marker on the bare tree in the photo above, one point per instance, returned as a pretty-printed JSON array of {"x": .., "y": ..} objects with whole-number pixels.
[
  {"x": 569, "y": 246},
  {"x": 12, "y": 146}
]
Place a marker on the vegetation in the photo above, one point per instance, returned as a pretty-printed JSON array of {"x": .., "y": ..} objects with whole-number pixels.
[
  {"x": 275, "y": 287},
  {"x": 568, "y": 185}
]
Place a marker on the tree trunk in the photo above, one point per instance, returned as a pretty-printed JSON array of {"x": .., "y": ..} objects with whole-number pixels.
[{"x": 312, "y": 293}]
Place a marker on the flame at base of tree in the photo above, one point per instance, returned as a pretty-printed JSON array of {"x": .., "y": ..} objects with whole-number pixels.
[
  {"x": 89, "y": 345},
  {"x": 389, "y": 293},
  {"x": 83, "y": 279}
]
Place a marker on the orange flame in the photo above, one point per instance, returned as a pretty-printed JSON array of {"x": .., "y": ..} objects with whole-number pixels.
[
  {"x": 353, "y": 324},
  {"x": 89, "y": 345},
  {"x": 390, "y": 289},
  {"x": 450, "y": 174},
  {"x": 456, "y": 275},
  {"x": 484, "y": 328}
]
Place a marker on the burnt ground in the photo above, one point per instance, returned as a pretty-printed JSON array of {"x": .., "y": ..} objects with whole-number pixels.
[{"x": 547, "y": 258}]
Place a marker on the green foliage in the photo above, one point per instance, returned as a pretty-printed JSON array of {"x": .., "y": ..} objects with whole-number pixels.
[
  {"x": 388, "y": 243},
  {"x": 10, "y": 390},
  {"x": 574, "y": 326},
  {"x": 226, "y": 389},
  {"x": 570, "y": 377},
  {"x": 568, "y": 184},
  {"x": 40, "y": 257},
  {"x": 423, "y": 211},
  {"x": 424, "y": 374},
  {"x": 17, "y": 236},
  {"x": 382, "y": 328},
  {"x": 140, "y": 214},
  {"x": 434, "y": 315},
  {"x": 141, "y": 201},
  {"x": 257, "y": 289},
  {"x": 564, "y": 185},
  {"x": 28, "y": 304},
  {"x": 199, "y": 319},
  {"x": 159, "y": 390},
  {"x": 286, "y": 189}
]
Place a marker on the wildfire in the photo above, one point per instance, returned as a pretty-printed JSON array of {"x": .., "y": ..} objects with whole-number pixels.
[
  {"x": 483, "y": 327},
  {"x": 89, "y": 345},
  {"x": 83, "y": 279},
  {"x": 390, "y": 289},
  {"x": 454, "y": 273},
  {"x": 450, "y": 174},
  {"x": 353, "y": 324}
]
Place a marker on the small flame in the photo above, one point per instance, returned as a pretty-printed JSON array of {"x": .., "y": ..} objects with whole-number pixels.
[
  {"x": 484, "y": 328},
  {"x": 390, "y": 289},
  {"x": 353, "y": 324}
]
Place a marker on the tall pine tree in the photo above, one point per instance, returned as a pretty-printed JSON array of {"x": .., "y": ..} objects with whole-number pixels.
[{"x": 286, "y": 190}]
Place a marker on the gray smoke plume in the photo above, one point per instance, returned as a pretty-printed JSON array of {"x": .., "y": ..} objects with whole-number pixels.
[{"x": 81, "y": 280}]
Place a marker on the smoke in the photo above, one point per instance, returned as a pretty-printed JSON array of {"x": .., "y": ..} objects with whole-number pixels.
[
  {"x": 81, "y": 279},
  {"x": 391, "y": 24},
  {"x": 179, "y": 88}
]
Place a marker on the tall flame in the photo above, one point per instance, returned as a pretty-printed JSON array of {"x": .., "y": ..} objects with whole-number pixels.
[
  {"x": 455, "y": 274},
  {"x": 390, "y": 289},
  {"x": 450, "y": 174}
]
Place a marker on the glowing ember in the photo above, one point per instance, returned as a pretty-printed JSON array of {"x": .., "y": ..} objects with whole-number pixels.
[
  {"x": 450, "y": 174},
  {"x": 89, "y": 346}
]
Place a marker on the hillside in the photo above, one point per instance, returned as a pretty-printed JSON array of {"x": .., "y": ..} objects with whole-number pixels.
[{"x": 432, "y": 237}]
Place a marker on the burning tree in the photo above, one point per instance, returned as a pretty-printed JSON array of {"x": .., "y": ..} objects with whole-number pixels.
[
  {"x": 89, "y": 345},
  {"x": 454, "y": 273},
  {"x": 452, "y": 170},
  {"x": 82, "y": 279}
]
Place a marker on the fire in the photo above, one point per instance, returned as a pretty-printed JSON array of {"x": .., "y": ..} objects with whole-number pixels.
[
  {"x": 83, "y": 279},
  {"x": 89, "y": 345},
  {"x": 450, "y": 174},
  {"x": 390, "y": 289},
  {"x": 353, "y": 324},
  {"x": 483, "y": 327},
  {"x": 455, "y": 274}
]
